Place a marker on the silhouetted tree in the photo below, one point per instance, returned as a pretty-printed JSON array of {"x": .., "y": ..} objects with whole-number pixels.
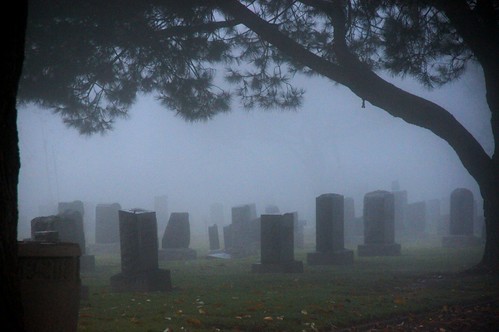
[{"x": 89, "y": 60}]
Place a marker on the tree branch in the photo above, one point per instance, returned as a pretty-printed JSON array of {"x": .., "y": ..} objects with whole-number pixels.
[{"x": 369, "y": 86}]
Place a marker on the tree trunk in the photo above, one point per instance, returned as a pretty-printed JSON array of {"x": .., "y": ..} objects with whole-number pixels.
[
  {"x": 490, "y": 258},
  {"x": 11, "y": 61}
]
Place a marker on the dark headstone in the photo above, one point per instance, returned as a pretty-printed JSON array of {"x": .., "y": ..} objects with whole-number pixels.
[
  {"x": 68, "y": 225},
  {"x": 107, "y": 223},
  {"x": 379, "y": 228},
  {"x": 177, "y": 233},
  {"x": 176, "y": 239},
  {"x": 213, "y": 237},
  {"x": 50, "y": 286},
  {"x": 461, "y": 220},
  {"x": 329, "y": 232},
  {"x": 139, "y": 254},
  {"x": 277, "y": 245},
  {"x": 244, "y": 232}
]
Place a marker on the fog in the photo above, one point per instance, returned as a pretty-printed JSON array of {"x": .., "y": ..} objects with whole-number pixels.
[{"x": 331, "y": 144}]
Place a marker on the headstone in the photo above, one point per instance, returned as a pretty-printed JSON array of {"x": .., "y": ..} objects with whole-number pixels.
[
  {"x": 461, "y": 220},
  {"x": 416, "y": 219},
  {"x": 329, "y": 232},
  {"x": 277, "y": 245},
  {"x": 107, "y": 223},
  {"x": 176, "y": 239},
  {"x": 213, "y": 237},
  {"x": 50, "y": 286},
  {"x": 69, "y": 227},
  {"x": 244, "y": 232},
  {"x": 139, "y": 254},
  {"x": 379, "y": 228}
]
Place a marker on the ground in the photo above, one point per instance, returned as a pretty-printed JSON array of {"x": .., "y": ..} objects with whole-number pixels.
[{"x": 477, "y": 317}]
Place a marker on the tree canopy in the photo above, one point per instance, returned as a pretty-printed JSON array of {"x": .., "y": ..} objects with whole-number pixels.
[{"x": 88, "y": 60}]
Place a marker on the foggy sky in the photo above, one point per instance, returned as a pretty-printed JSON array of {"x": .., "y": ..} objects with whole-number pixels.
[{"x": 330, "y": 145}]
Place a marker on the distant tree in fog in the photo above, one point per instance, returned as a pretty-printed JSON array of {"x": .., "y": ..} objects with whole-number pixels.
[{"x": 89, "y": 60}]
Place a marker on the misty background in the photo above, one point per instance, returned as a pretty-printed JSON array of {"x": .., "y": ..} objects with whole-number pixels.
[{"x": 330, "y": 145}]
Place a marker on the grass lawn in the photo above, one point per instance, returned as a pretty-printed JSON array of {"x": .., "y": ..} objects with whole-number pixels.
[{"x": 223, "y": 295}]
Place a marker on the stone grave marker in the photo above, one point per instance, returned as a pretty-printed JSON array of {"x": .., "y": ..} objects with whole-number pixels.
[
  {"x": 140, "y": 271},
  {"x": 277, "y": 245},
  {"x": 379, "y": 228},
  {"x": 461, "y": 220},
  {"x": 213, "y": 237},
  {"x": 330, "y": 237},
  {"x": 176, "y": 239}
]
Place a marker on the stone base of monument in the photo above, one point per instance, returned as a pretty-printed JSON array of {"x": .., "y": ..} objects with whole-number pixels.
[
  {"x": 149, "y": 281},
  {"x": 460, "y": 241},
  {"x": 176, "y": 254},
  {"x": 50, "y": 285},
  {"x": 87, "y": 263},
  {"x": 379, "y": 249},
  {"x": 288, "y": 267},
  {"x": 341, "y": 257}
]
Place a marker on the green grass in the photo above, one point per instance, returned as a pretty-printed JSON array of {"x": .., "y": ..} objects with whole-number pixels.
[{"x": 223, "y": 295}]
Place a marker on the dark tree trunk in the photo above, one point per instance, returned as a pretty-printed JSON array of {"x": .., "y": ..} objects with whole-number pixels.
[
  {"x": 490, "y": 259},
  {"x": 12, "y": 56}
]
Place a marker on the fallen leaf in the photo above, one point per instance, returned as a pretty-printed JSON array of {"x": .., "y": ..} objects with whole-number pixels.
[
  {"x": 268, "y": 318},
  {"x": 194, "y": 322},
  {"x": 399, "y": 300},
  {"x": 304, "y": 312}
]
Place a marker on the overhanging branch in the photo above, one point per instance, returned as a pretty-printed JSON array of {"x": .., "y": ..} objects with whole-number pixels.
[{"x": 369, "y": 86}]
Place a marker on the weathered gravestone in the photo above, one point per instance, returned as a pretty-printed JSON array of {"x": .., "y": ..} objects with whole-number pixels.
[
  {"x": 461, "y": 220},
  {"x": 50, "y": 284},
  {"x": 68, "y": 225},
  {"x": 213, "y": 237},
  {"x": 176, "y": 239},
  {"x": 277, "y": 245},
  {"x": 242, "y": 236},
  {"x": 379, "y": 230},
  {"x": 140, "y": 271},
  {"x": 329, "y": 232}
]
